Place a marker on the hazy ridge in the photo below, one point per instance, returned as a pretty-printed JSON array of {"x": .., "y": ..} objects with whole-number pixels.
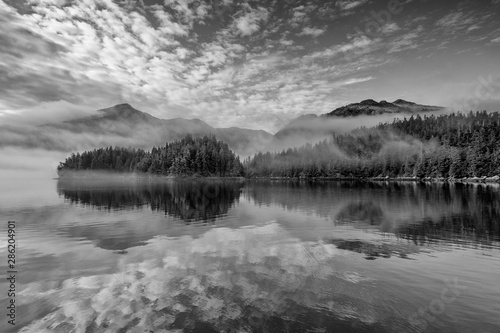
[{"x": 125, "y": 126}]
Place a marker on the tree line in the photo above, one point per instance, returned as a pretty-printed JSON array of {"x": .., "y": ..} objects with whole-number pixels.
[
  {"x": 186, "y": 200},
  {"x": 450, "y": 146},
  {"x": 205, "y": 157},
  {"x": 447, "y": 146}
]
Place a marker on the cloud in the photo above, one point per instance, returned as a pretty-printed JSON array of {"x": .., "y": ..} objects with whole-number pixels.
[
  {"x": 464, "y": 20},
  {"x": 390, "y": 28},
  {"x": 72, "y": 53},
  {"x": 346, "y": 7},
  {"x": 299, "y": 16},
  {"x": 189, "y": 11},
  {"x": 406, "y": 41},
  {"x": 357, "y": 80},
  {"x": 455, "y": 19},
  {"x": 45, "y": 113},
  {"x": 119, "y": 56},
  {"x": 249, "y": 22},
  {"x": 229, "y": 63},
  {"x": 314, "y": 32}
]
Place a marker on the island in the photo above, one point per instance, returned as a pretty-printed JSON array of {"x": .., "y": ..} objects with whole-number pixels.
[{"x": 189, "y": 157}]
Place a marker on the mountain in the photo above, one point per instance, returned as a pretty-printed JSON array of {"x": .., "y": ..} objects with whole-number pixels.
[
  {"x": 296, "y": 133},
  {"x": 429, "y": 146},
  {"x": 123, "y": 125},
  {"x": 123, "y": 119},
  {"x": 312, "y": 128},
  {"x": 298, "y": 125},
  {"x": 370, "y": 107}
]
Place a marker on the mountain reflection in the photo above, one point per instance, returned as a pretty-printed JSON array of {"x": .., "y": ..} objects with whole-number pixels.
[{"x": 190, "y": 201}]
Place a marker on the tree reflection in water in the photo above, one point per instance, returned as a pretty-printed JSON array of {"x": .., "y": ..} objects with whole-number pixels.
[
  {"x": 190, "y": 201},
  {"x": 419, "y": 212}
]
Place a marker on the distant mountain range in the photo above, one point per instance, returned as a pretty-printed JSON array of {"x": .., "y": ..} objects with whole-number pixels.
[
  {"x": 312, "y": 128},
  {"x": 123, "y": 125},
  {"x": 370, "y": 107}
]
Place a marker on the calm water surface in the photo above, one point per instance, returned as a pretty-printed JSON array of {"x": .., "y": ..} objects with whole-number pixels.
[{"x": 254, "y": 256}]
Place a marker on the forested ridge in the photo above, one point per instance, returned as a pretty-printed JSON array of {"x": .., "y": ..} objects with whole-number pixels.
[
  {"x": 205, "y": 156},
  {"x": 449, "y": 146}
]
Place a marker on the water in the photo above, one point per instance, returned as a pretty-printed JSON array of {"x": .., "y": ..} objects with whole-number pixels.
[{"x": 253, "y": 256}]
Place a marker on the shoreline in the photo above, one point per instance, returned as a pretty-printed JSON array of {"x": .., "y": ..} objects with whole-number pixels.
[
  {"x": 465, "y": 180},
  {"x": 110, "y": 176},
  {"x": 132, "y": 176}
]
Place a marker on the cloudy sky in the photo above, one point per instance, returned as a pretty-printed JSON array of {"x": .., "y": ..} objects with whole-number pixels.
[{"x": 249, "y": 63}]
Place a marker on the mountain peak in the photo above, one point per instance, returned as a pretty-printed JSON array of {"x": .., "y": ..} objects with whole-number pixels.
[
  {"x": 385, "y": 103},
  {"x": 124, "y": 112},
  {"x": 372, "y": 107},
  {"x": 123, "y": 105},
  {"x": 118, "y": 108},
  {"x": 122, "y": 124},
  {"x": 403, "y": 102},
  {"x": 369, "y": 102}
]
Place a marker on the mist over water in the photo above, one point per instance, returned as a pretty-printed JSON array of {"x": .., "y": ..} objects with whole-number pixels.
[
  {"x": 168, "y": 166},
  {"x": 255, "y": 256}
]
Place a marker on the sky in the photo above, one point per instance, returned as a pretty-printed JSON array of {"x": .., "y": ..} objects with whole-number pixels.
[{"x": 250, "y": 63}]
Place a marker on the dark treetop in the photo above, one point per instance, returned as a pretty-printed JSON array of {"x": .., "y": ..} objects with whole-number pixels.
[
  {"x": 190, "y": 156},
  {"x": 455, "y": 145}
]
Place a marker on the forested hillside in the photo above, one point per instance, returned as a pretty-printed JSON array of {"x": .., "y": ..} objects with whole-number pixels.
[
  {"x": 455, "y": 145},
  {"x": 449, "y": 146},
  {"x": 187, "y": 157}
]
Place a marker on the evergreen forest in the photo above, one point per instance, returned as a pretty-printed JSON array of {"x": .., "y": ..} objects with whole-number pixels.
[
  {"x": 445, "y": 146},
  {"x": 453, "y": 145},
  {"x": 204, "y": 157}
]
